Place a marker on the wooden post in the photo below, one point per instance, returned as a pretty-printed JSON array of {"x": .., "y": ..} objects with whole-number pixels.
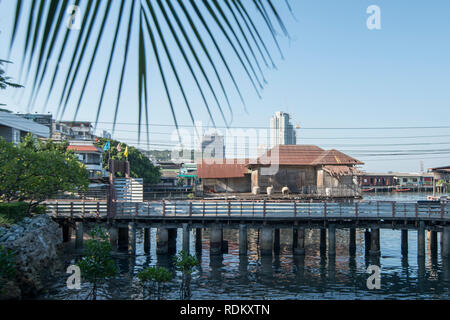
[
  {"x": 295, "y": 209},
  {"x": 71, "y": 210},
  {"x": 190, "y": 209},
  {"x": 164, "y": 207},
  {"x": 356, "y": 209},
  {"x": 243, "y": 241},
  {"x": 421, "y": 239},
  {"x": 229, "y": 208}
]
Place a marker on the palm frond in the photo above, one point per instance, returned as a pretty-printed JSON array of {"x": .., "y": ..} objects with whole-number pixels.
[{"x": 191, "y": 29}]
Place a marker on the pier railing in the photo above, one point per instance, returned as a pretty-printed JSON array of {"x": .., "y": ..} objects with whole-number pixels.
[{"x": 275, "y": 209}]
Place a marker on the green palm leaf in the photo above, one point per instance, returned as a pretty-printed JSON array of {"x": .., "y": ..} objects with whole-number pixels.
[{"x": 193, "y": 26}]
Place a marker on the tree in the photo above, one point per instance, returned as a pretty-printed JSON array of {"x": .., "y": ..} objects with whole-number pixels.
[
  {"x": 140, "y": 165},
  {"x": 162, "y": 30},
  {"x": 97, "y": 265},
  {"x": 185, "y": 263},
  {"x": 5, "y": 81},
  {"x": 154, "y": 277},
  {"x": 34, "y": 171}
]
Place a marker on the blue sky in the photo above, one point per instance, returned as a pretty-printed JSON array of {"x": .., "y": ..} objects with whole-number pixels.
[{"x": 335, "y": 73}]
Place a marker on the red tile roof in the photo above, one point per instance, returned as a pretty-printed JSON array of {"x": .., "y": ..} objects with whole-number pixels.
[
  {"x": 226, "y": 168},
  {"x": 298, "y": 155},
  {"x": 83, "y": 148}
]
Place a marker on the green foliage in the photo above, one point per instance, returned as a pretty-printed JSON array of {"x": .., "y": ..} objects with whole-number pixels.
[
  {"x": 7, "y": 266},
  {"x": 34, "y": 171},
  {"x": 4, "y": 79},
  {"x": 190, "y": 196},
  {"x": 154, "y": 277},
  {"x": 11, "y": 213},
  {"x": 97, "y": 264},
  {"x": 140, "y": 165},
  {"x": 185, "y": 262}
]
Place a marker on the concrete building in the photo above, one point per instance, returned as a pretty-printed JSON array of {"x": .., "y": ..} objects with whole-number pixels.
[
  {"x": 14, "y": 127},
  {"x": 307, "y": 169},
  {"x": 231, "y": 175},
  {"x": 281, "y": 130},
  {"x": 91, "y": 156},
  {"x": 213, "y": 146},
  {"x": 82, "y": 130}
]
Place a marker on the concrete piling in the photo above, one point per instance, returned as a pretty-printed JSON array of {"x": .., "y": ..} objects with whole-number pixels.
[
  {"x": 215, "y": 240},
  {"x": 198, "y": 239},
  {"x": 421, "y": 239},
  {"x": 367, "y": 240},
  {"x": 122, "y": 241},
  {"x": 146, "y": 240},
  {"x": 276, "y": 241},
  {"x": 374, "y": 242},
  {"x": 433, "y": 243},
  {"x": 323, "y": 240},
  {"x": 243, "y": 240},
  {"x": 114, "y": 238},
  {"x": 266, "y": 241},
  {"x": 405, "y": 242},
  {"x": 172, "y": 240},
  {"x": 352, "y": 241},
  {"x": 132, "y": 238},
  {"x": 300, "y": 249},
  {"x": 162, "y": 241},
  {"x": 79, "y": 235},
  {"x": 186, "y": 237},
  {"x": 446, "y": 243},
  {"x": 331, "y": 240}
]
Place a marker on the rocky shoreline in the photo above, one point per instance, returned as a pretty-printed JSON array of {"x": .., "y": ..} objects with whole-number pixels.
[{"x": 37, "y": 243}]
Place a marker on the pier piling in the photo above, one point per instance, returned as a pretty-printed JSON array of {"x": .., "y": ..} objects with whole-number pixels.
[
  {"x": 215, "y": 240},
  {"x": 266, "y": 241},
  {"x": 113, "y": 237},
  {"x": 186, "y": 237},
  {"x": 352, "y": 241},
  {"x": 162, "y": 241},
  {"x": 243, "y": 240},
  {"x": 172, "y": 240},
  {"x": 146, "y": 240},
  {"x": 276, "y": 241},
  {"x": 421, "y": 239},
  {"x": 331, "y": 240},
  {"x": 79, "y": 235},
  {"x": 446, "y": 243},
  {"x": 132, "y": 238},
  {"x": 300, "y": 249},
  {"x": 374, "y": 242},
  {"x": 323, "y": 240},
  {"x": 405, "y": 242},
  {"x": 198, "y": 239}
]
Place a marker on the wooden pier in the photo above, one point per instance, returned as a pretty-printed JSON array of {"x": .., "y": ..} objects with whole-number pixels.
[{"x": 268, "y": 216}]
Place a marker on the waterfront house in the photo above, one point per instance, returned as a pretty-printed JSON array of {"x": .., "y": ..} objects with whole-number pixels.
[
  {"x": 91, "y": 156},
  {"x": 13, "y": 127},
  {"x": 224, "y": 175},
  {"x": 306, "y": 169}
]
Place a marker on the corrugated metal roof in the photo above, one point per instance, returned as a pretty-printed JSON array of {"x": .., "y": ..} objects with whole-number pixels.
[
  {"x": 22, "y": 124},
  {"x": 226, "y": 168},
  {"x": 338, "y": 171}
]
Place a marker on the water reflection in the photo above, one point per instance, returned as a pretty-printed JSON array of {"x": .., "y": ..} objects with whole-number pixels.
[{"x": 281, "y": 276}]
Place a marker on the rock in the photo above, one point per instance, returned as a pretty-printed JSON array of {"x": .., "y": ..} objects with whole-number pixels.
[{"x": 36, "y": 243}]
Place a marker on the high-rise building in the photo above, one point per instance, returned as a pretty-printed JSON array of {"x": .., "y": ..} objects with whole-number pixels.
[
  {"x": 281, "y": 130},
  {"x": 213, "y": 146}
]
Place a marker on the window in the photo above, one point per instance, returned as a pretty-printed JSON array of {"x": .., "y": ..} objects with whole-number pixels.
[
  {"x": 405, "y": 179},
  {"x": 15, "y": 136}
]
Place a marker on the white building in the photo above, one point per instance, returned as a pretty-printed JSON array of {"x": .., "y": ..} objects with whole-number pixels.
[
  {"x": 282, "y": 132},
  {"x": 13, "y": 128}
]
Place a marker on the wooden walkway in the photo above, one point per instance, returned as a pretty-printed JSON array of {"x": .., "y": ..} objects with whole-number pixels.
[{"x": 251, "y": 210}]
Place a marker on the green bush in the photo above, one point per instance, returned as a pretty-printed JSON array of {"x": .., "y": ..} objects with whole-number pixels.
[
  {"x": 7, "y": 266},
  {"x": 13, "y": 212},
  {"x": 40, "y": 209}
]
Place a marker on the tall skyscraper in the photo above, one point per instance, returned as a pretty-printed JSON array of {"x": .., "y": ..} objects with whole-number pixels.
[
  {"x": 281, "y": 130},
  {"x": 213, "y": 146}
]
